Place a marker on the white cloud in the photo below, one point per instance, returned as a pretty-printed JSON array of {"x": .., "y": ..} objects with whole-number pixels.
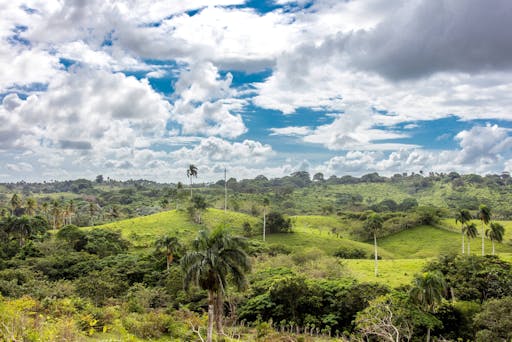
[
  {"x": 213, "y": 149},
  {"x": 23, "y": 66},
  {"x": 356, "y": 129},
  {"x": 300, "y": 131},
  {"x": 82, "y": 117},
  {"x": 484, "y": 145},
  {"x": 206, "y": 104},
  {"x": 483, "y": 149},
  {"x": 19, "y": 167}
]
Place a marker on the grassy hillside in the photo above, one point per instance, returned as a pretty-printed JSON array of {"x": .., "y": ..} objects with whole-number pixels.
[
  {"x": 145, "y": 229},
  {"x": 393, "y": 273},
  {"x": 507, "y": 238},
  {"x": 403, "y": 254},
  {"x": 427, "y": 241}
]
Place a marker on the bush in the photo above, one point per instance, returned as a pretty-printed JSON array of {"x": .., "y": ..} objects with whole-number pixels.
[
  {"x": 148, "y": 326},
  {"x": 104, "y": 242},
  {"x": 354, "y": 253},
  {"x": 309, "y": 254},
  {"x": 276, "y": 223}
]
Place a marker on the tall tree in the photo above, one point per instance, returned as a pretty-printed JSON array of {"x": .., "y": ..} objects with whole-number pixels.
[
  {"x": 266, "y": 203},
  {"x": 462, "y": 216},
  {"x": 55, "y": 210},
  {"x": 214, "y": 256},
  {"x": 31, "y": 206},
  {"x": 471, "y": 232},
  {"x": 427, "y": 291},
  {"x": 373, "y": 224},
  {"x": 70, "y": 210},
  {"x": 484, "y": 214},
  {"x": 191, "y": 172},
  {"x": 495, "y": 232},
  {"x": 171, "y": 246}
]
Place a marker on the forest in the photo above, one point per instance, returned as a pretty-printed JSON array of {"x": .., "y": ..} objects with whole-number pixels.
[{"x": 411, "y": 257}]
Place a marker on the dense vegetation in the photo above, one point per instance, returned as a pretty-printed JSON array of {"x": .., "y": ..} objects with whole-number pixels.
[{"x": 138, "y": 260}]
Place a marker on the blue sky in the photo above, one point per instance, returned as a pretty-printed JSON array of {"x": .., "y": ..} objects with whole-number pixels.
[{"x": 142, "y": 89}]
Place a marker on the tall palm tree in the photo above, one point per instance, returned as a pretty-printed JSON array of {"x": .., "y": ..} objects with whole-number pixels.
[
  {"x": 373, "y": 224},
  {"x": 71, "y": 211},
  {"x": 191, "y": 172},
  {"x": 484, "y": 214},
  {"x": 495, "y": 233},
  {"x": 31, "y": 206},
  {"x": 55, "y": 210},
  {"x": 266, "y": 203},
  {"x": 427, "y": 291},
  {"x": 214, "y": 256},
  {"x": 171, "y": 245},
  {"x": 462, "y": 216},
  {"x": 471, "y": 232}
]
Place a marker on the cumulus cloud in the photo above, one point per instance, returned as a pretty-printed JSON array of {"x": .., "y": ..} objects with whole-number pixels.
[
  {"x": 484, "y": 144},
  {"x": 206, "y": 104},
  {"x": 300, "y": 131},
  {"x": 482, "y": 149},
  {"x": 356, "y": 129},
  {"x": 375, "y": 68},
  {"x": 82, "y": 117},
  {"x": 214, "y": 149},
  {"x": 19, "y": 167}
]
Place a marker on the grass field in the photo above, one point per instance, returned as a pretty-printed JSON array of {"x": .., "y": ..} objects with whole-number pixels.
[
  {"x": 143, "y": 231},
  {"x": 427, "y": 241},
  {"x": 403, "y": 254},
  {"x": 507, "y": 238},
  {"x": 393, "y": 273}
]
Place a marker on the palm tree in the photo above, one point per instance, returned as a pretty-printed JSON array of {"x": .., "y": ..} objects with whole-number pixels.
[
  {"x": 373, "y": 224},
  {"x": 484, "y": 214},
  {"x": 427, "y": 291},
  {"x": 31, "y": 206},
  {"x": 214, "y": 256},
  {"x": 191, "y": 172},
  {"x": 463, "y": 217},
  {"x": 171, "y": 245},
  {"x": 266, "y": 202},
  {"x": 70, "y": 211},
  {"x": 495, "y": 233},
  {"x": 471, "y": 232},
  {"x": 55, "y": 213}
]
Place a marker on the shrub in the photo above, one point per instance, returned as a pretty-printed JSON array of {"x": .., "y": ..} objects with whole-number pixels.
[
  {"x": 276, "y": 223},
  {"x": 350, "y": 253},
  {"x": 147, "y": 326}
]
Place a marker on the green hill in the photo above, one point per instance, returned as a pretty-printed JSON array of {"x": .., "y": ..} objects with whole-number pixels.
[
  {"x": 142, "y": 231},
  {"x": 403, "y": 254},
  {"x": 428, "y": 241}
]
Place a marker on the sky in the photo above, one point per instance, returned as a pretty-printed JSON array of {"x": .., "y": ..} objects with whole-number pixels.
[{"x": 136, "y": 89}]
